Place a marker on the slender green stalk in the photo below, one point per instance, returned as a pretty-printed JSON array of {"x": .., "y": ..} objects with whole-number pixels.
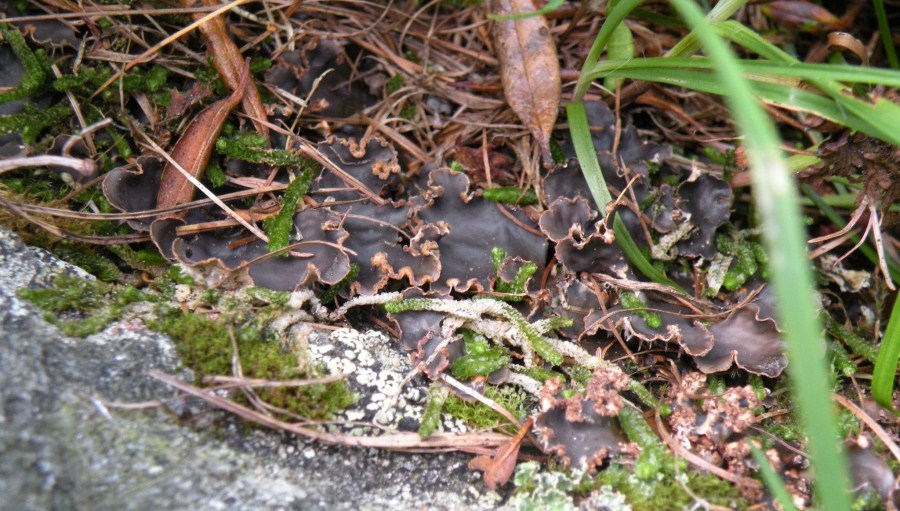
[
  {"x": 886, "y": 34},
  {"x": 614, "y": 17},
  {"x": 773, "y": 481},
  {"x": 590, "y": 167},
  {"x": 886, "y": 364},
  {"x": 761, "y": 70},
  {"x": 776, "y": 198}
]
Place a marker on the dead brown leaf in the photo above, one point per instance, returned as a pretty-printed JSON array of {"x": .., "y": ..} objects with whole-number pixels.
[
  {"x": 228, "y": 61},
  {"x": 193, "y": 149},
  {"x": 498, "y": 467},
  {"x": 529, "y": 67},
  {"x": 807, "y": 16}
]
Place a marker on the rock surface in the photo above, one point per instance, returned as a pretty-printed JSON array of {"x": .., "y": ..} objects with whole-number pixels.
[{"x": 65, "y": 443}]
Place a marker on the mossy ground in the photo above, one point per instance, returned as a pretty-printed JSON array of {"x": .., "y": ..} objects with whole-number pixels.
[{"x": 205, "y": 342}]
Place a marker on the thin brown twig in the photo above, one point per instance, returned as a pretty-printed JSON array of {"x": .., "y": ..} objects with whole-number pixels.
[{"x": 398, "y": 441}]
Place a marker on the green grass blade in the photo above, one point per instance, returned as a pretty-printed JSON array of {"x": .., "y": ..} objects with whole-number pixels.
[
  {"x": 775, "y": 195},
  {"x": 759, "y": 69},
  {"x": 587, "y": 158},
  {"x": 872, "y": 119},
  {"x": 886, "y": 34},
  {"x": 886, "y": 364},
  {"x": 773, "y": 482},
  {"x": 613, "y": 19},
  {"x": 590, "y": 167},
  {"x": 721, "y": 12}
]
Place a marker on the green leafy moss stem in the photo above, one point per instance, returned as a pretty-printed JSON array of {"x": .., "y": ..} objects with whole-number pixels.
[
  {"x": 34, "y": 63},
  {"x": 431, "y": 417},
  {"x": 654, "y": 456},
  {"x": 279, "y": 227},
  {"x": 855, "y": 342}
]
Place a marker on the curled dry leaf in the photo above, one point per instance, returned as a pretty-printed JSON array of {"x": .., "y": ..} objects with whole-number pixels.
[
  {"x": 193, "y": 149},
  {"x": 808, "y": 16},
  {"x": 498, "y": 466},
  {"x": 228, "y": 62},
  {"x": 530, "y": 69}
]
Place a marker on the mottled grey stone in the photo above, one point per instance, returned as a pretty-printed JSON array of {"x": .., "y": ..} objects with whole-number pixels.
[{"x": 64, "y": 444}]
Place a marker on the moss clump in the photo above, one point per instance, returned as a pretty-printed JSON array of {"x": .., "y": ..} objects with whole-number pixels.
[
  {"x": 749, "y": 259},
  {"x": 205, "y": 345},
  {"x": 431, "y": 417},
  {"x": 514, "y": 290},
  {"x": 480, "y": 416},
  {"x": 35, "y": 65},
  {"x": 480, "y": 357},
  {"x": 279, "y": 227},
  {"x": 394, "y": 84},
  {"x": 34, "y": 120},
  {"x": 631, "y": 301},
  {"x": 669, "y": 492},
  {"x": 81, "y": 307},
  {"x": 90, "y": 260},
  {"x": 251, "y": 147},
  {"x": 511, "y": 195}
]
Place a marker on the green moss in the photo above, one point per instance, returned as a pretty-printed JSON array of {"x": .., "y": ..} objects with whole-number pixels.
[
  {"x": 260, "y": 65},
  {"x": 631, "y": 301},
  {"x": 511, "y": 195},
  {"x": 153, "y": 80},
  {"x": 841, "y": 363},
  {"x": 90, "y": 260},
  {"x": 87, "y": 77},
  {"x": 431, "y": 417},
  {"x": 280, "y": 226},
  {"x": 655, "y": 459},
  {"x": 855, "y": 342},
  {"x": 81, "y": 307},
  {"x": 394, "y": 84},
  {"x": 750, "y": 258},
  {"x": 205, "y": 345},
  {"x": 35, "y": 66},
  {"x": 250, "y": 147},
  {"x": 540, "y": 374},
  {"x": 668, "y": 493},
  {"x": 648, "y": 399},
  {"x": 215, "y": 174},
  {"x": 482, "y": 362},
  {"x": 34, "y": 120},
  {"x": 409, "y": 112},
  {"x": 479, "y": 416},
  {"x": 515, "y": 290}
]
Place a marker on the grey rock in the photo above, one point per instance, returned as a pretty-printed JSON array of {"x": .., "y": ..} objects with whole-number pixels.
[{"x": 66, "y": 443}]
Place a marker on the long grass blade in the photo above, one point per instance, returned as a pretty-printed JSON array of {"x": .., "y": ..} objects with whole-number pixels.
[
  {"x": 590, "y": 167},
  {"x": 886, "y": 364},
  {"x": 873, "y": 119},
  {"x": 614, "y": 18},
  {"x": 887, "y": 35},
  {"x": 776, "y": 198},
  {"x": 773, "y": 482},
  {"x": 759, "y": 70}
]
